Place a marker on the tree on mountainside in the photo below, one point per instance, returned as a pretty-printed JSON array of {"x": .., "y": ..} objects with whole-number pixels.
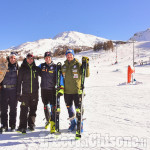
[
  {"x": 105, "y": 46},
  {"x": 98, "y": 46},
  {"x": 110, "y": 45},
  {"x": 61, "y": 50}
]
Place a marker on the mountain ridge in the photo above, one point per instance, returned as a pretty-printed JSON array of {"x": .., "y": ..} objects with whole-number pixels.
[
  {"x": 72, "y": 39},
  {"x": 68, "y": 38},
  {"x": 141, "y": 36}
]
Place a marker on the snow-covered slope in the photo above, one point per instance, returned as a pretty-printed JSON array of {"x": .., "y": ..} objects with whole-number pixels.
[
  {"x": 142, "y": 36},
  {"x": 117, "y": 114},
  {"x": 71, "y": 38}
]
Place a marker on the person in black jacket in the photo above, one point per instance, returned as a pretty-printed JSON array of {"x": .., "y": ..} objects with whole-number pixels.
[
  {"x": 28, "y": 80},
  {"x": 9, "y": 94},
  {"x": 48, "y": 91}
]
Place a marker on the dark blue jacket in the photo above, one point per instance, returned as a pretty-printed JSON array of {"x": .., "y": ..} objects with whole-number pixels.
[
  {"x": 48, "y": 76},
  {"x": 11, "y": 75}
]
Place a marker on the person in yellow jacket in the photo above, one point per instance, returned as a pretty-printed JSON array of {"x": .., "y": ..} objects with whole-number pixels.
[{"x": 72, "y": 71}]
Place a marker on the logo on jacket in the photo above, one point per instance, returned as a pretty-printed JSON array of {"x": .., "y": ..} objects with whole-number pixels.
[
  {"x": 51, "y": 67},
  {"x": 75, "y": 66},
  {"x": 43, "y": 67}
]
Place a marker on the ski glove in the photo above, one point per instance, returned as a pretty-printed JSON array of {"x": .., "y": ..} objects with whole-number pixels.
[
  {"x": 60, "y": 91},
  {"x": 85, "y": 65},
  {"x": 85, "y": 59}
]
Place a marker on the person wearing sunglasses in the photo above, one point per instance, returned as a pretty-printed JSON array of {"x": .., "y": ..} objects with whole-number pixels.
[{"x": 28, "y": 83}]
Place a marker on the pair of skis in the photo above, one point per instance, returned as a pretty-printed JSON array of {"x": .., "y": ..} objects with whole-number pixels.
[
  {"x": 79, "y": 110},
  {"x": 57, "y": 109}
]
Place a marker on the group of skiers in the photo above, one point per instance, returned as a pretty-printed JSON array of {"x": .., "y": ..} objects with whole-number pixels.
[{"x": 22, "y": 84}]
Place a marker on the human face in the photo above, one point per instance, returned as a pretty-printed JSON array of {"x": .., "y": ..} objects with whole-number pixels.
[
  {"x": 29, "y": 60},
  {"x": 12, "y": 59},
  {"x": 69, "y": 57},
  {"x": 48, "y": 59}
]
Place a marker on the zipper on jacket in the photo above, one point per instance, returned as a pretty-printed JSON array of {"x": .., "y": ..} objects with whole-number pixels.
[
  {"x": 31, "y": 76},
  {"x": 34, "y": 74}
]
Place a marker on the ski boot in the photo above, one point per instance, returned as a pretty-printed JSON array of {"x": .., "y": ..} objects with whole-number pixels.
[
  {"x": 3, "y": 129},
  {"x": 52, "y": 127},
  {"x": 21, "y": 130},
  {"x": 31, "y": 128},
  {"x": 13, "y": 128},
  {"x": 73, "y": 125}
]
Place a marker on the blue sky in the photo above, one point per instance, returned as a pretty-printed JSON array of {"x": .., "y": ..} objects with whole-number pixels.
[{"x": 29, "y": 20}]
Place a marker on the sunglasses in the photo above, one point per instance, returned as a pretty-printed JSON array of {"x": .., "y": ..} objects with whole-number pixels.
[{"x": 29, "y": 57}]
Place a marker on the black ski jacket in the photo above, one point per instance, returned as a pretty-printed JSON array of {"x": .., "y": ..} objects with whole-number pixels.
[{"x": 28, "y": 78}]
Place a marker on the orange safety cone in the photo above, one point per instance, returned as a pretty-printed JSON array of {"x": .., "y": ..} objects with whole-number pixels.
[{"x": 130, "y": 71}]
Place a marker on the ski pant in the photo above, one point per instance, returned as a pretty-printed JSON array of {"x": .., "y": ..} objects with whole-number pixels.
[
  {"x": 49, "y": 101},
  {"x": 9, "y": 98},
  {"x": 28, "y": 110},
  {"x": 69, "y": 99}
]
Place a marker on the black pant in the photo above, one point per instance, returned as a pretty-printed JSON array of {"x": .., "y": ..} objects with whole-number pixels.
[
  {"x": 28, "y": 110},
  {"x": 49, "y": 100},
  {"x": 9, "y": 98},
  {"x": 48, "y": 96},
  {"x": 69, "y": 99}
]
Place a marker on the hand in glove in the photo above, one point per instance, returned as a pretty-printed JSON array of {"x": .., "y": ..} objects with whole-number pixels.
[
  {"x": 60, "y": 91},
  {"x": 85, "y": 65},
  {"x": 85, "y": 59},
  {"x": 85, "y": 62}
]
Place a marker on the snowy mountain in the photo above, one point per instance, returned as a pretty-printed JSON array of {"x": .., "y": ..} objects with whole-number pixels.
[
  {"x": 142, "y": 36},
  {"x": 79, "y": 39},
  {"x": 70, "y": 38}
]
